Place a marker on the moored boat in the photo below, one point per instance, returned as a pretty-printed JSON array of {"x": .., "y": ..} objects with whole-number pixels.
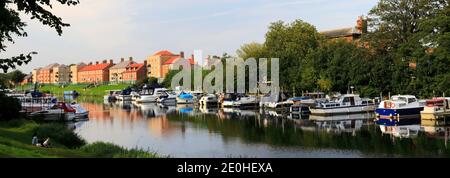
[
  {"x": 246, "y": 102},
  {"x": 61, "y": 111},
  {"x": 400, "y": 107},
  {"x": 185, "y": 98},
  {"x": 344, "y": 104},
  {"x": 125, "y": 95},
  {"x": 149, "y": 95},
  {"x": 209, "y": 100},
  {"x": 436, "y": 109},
  {"x": 167, "y": 97},
  {"x": 80, "y": 112}
]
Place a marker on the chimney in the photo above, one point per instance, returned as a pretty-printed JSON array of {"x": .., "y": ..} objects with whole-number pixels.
[
  {"x": 111, "y": 61},
  {"x": 131, "y": 58},
  {"x": 361, "y": 25},
  {"x": 122, "y": 59},
  {"x": 192, "y": 56},
  {"x": 96, "y": 62},
  {"x": 105, "y": 61},
  {"x": 90, "y": 63},
  {"x": 182, "y": 54}
]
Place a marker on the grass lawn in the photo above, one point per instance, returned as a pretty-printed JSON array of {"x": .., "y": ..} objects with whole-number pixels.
[
  {"x": 95, "y": 91},
  {"x": 15, "y": 141}
]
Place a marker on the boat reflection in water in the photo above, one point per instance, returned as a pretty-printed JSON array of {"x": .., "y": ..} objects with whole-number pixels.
[
  {"x": 189, "y": 131},
  {"x": 342, "y": 123}
]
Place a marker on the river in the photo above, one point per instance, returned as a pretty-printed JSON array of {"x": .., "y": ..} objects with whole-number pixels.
[{"x": 186, "y": 131}]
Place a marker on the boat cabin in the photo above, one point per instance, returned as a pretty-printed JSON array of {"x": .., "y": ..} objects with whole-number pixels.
[{"x": 405, "y": 98}]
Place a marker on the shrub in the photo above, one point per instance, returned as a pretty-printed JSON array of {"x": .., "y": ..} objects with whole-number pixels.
[
  {"x": 10, "y": 107},
  {"x": 61, "y": 134},
  {"x": 109, "y": 150}
]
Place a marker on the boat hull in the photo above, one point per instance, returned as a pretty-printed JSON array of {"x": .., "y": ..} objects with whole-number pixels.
[
  {"x": 342, "y": 110},
  {"x": 402, "y": 113}
]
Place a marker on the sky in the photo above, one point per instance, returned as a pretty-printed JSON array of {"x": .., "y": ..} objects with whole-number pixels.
[{"x": 114, "y": 29}]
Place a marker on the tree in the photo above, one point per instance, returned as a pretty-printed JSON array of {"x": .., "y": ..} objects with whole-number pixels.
[
  {"x": 252, "y": 50},
  {"x": 291, "y": 43},
  {"x": 11, "y": 24},
  {"x": 401, "y": 33},
  {"x": 16, "y": 76}
]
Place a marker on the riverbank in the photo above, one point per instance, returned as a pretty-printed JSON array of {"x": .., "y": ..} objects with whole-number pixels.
[
  {"x": 83, "y": 89},
  {"x": 15, "y": 141}
]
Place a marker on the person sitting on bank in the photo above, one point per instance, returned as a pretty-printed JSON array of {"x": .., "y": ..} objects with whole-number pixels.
[
  {"x": 46, "y": 143},
  {"x": 35, "y": 140}
]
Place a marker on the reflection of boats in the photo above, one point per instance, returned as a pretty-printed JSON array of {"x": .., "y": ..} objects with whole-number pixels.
[
  {"x": 112, "y": 95},
  {"x": 153, "y": 110},
  {"x": 403, "y": 131},
  {"x": 208, "y": 110},
  {"x": 436, "y": 109},
  {"x": 236, "y": 113},
  {"x": 400, "y": 107},
  {"x": 185, "y": 98},
  {"x": 338, "y": 126},
  {"x": 437, "y": 132},
  {"x": 185, "y": 108},
  {"x": 59, "y": 112},
  {"x": 345, "y": 104},
  {"x": 80, "y": 112},
  {"x": 357, "y": 116}
]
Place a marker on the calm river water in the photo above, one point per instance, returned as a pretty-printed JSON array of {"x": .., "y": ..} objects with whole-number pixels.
[{"x": 187, "y": 131}]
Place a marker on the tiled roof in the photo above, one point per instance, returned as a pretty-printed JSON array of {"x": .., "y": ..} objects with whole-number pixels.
[
  {"x": 340, "y": 32},
  {"x": 163, "y": 53},
  {"x": 134, "y": 67},
  {"x": 173, "y": 59},
  {"x": 95, "y": 67}
]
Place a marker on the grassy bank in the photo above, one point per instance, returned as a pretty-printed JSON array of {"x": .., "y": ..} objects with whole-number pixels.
[
  {"x": 83, "y": 89},
  {"x": 15, "y": 141}
]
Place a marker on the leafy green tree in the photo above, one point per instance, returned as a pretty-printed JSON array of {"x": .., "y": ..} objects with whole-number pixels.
[
  {"x": 16, "y": 76},
  {"x": 291, "y": 43},
  {"x": 11, "y": 24},
  {"x": 252, "y": 50}
]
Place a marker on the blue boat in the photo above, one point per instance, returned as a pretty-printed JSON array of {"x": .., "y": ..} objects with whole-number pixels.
[
  {"x": 399, "y": 107},
  {"x": 185, "y": 98}
]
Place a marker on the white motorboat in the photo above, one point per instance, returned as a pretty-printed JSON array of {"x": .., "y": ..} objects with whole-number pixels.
[
  {"x": 246, "y": 102},
  {"x": 228, "y": 100},
  {"x": 149, "y": 95},
  {"x": 400, "y": 106},
  {"x": 167, "y": 97},
  {"x": 80, "y": 112},
  {"x": 134, "y": 95},
  {"x": 209, "y": 100},
  {"x": 59, "y": 112},
  {"x": 345, "y": 104}
]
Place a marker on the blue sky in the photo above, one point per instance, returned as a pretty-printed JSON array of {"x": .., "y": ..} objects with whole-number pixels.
[{"x": 111, "y": 29}]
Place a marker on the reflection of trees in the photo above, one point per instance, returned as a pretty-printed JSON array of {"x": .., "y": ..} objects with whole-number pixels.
[{"x": 280, "y": 132}]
